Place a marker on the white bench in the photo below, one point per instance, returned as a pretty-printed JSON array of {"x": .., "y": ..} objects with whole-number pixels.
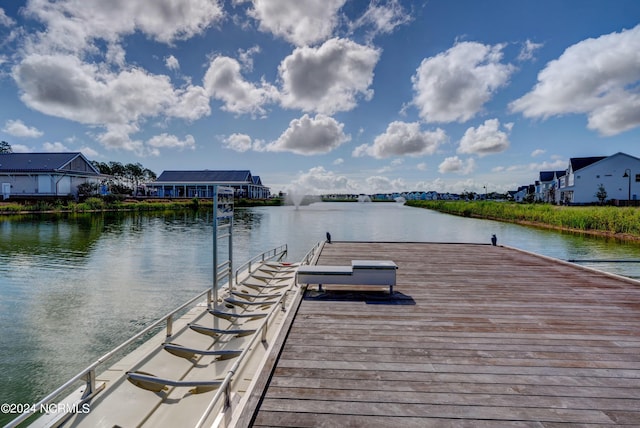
[{"x": 361, "y": 272}]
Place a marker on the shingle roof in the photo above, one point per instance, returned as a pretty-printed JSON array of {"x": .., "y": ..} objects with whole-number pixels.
[
  {"x": 579, "y": 163},
  {"x": 546, "y": 176},
  {"x": 37, "y": 162},
  {"x": 238, "y": 176}
]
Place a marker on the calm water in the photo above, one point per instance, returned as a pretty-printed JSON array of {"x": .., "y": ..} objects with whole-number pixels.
[{"x": 71, "y": 289}]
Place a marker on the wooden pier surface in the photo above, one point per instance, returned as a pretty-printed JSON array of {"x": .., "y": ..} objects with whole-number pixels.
[{"x": 474, "y": 336}]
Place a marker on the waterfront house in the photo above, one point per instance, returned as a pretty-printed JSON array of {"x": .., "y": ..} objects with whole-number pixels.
[
  {"x": 547, "y": 185},
  {"x": 190, "y": 184},
  {"x": 28, "y": 175},
  {"x": 618, "y": 174},
  {"x": 415, "y": 196},
  {"x": 520, "y": 194}
]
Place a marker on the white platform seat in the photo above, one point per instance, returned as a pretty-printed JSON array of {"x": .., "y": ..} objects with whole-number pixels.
[{"x": 361, "y": 272}]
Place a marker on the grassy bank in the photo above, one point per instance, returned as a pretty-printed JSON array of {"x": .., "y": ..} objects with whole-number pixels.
[
  {"x": 621, "y": 222},
  {"x": 100, "y": 204}
]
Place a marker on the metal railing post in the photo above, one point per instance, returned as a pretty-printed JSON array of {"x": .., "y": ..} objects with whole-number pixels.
[
  {"x": 227, "y": 395},
  {"x": 91, "y": 383},
  {"x": 169, "y": 325}
]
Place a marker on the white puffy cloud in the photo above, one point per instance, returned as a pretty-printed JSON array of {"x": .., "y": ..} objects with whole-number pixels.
[
  {"x": 88, "y": 152},
  {"x": 538, "y": 152},
  {"x": 54, "y": 147},
  {"x": 318, "y": 180},
  {"x": 381, "y": 184},
  {"x": 116, "y": 55},
  {"x": 457, "y": 165},
  {"x": 238, "y": 142},
  {"x": 118, "y": 136},
  {"x": 383, "y": 18},
  {"x": 66, "y": 87},
  {"x": 310, "y": 136},
  {"x": 63, "y": 86},
  {"x": 597, "y": 77},
  {"x": 172, "y": 63},
  {"x": 224, "y": 81},
  {"x": 5, "y": 20},
  {"x": 17, "y": 128},
  {"x": 246, "y": 56},
  {"x": 485, "y": 139},
  {"x": 528, "y": 49},
  {"x": 189, "y": 103},
  {"x": 75, "y": 68},
  {"x": 618, "y": 116},
  {"x": 329, "y": 78},
  {"x": 455, "y": 85},
  {"x": 393, "y": 165},
  {"x": 75, "y": 25},
  {"x": 301, "y": 22},
  {"x": 403, "y": 139},
  {"x": 555, "y": 165},
  {"x": 172, "y": 141},
  {"x": 21, "y": 148}
]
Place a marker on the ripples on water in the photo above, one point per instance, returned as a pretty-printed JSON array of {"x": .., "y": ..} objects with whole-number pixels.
[{"x": 73, "y": 288}]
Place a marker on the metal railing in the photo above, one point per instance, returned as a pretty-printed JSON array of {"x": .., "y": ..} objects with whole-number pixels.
[
  {"x": 280, "y": 251},
  {"x": 224, "y": 391},
  {"x": 313, "y": 252},
  {"x": 89, "y": 373}
]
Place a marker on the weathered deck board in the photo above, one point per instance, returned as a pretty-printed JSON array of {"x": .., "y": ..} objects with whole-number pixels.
[{"x": 475, "y": 335}]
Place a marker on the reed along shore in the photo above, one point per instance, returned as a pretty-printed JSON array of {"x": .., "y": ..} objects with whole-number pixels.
[{"x": 610, "y": 221}]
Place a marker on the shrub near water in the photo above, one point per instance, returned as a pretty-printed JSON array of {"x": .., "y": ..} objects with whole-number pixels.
[
  {"x": 91, "y": 204},
  {"x": 624, "y": 220}
]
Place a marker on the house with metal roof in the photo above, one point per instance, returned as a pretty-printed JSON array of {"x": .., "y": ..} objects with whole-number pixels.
[
  {"x": 45, "y": 174},
  {"x": 190, "y": 184}
]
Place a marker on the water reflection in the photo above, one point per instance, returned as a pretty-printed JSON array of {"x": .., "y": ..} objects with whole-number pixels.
[{"x": 49, "y": 234}]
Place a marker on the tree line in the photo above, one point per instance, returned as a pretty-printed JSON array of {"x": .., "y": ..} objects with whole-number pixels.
[{"x": 124, "y": 179}]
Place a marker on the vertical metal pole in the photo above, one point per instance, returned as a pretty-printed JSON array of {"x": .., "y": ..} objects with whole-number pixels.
[
  {"x": 169, "y": 325},
  {"x": 230, "y": 274},
  {"x": 90, "y": 383},
  {"x": 215, "y": 246}
]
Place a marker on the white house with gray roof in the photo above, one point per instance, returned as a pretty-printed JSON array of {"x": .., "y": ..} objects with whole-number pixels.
[
  {"x": 619, "y": 175},
  {"x": 546, "y": 186},
  {"x": 45, "y": 174}
]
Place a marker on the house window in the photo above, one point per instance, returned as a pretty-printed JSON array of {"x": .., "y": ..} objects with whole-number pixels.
[{"x": 637, "y": 178}]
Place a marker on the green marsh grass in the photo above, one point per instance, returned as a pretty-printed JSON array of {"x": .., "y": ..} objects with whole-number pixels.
[{"x": 604, "y": 219}]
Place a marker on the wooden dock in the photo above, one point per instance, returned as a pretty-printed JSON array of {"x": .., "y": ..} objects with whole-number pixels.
[{"x": 474, "y": 336}]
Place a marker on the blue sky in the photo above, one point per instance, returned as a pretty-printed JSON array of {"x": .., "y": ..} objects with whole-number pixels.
[{"x": 326, "y": 95}]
